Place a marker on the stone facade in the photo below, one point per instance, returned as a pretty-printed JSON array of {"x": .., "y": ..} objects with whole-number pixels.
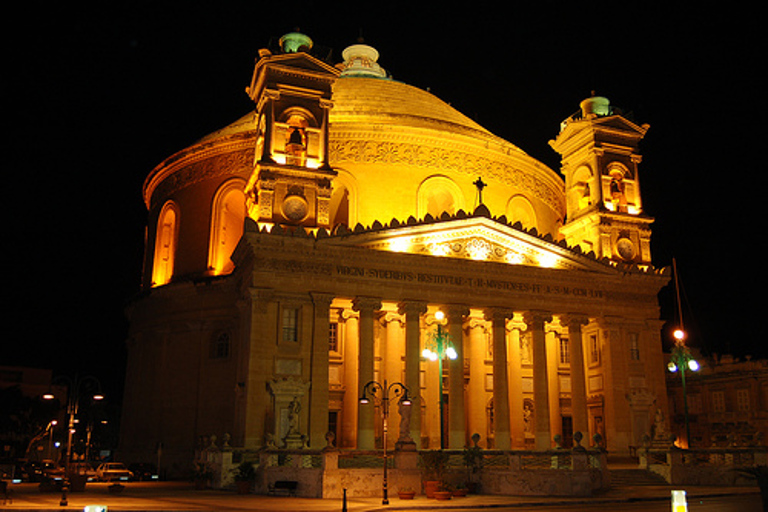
[{"x": 306, "y": 250}]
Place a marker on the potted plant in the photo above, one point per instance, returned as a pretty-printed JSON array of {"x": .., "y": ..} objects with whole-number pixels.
[
  {"x": 445, "y": 492},
  {"x": 201, "y": 474},
  {"x": 433, "y": 462},
  {"x": 245, "y": 474},
  {"x": 460, "y": 491},
  {"x": 406, "y": 493}
]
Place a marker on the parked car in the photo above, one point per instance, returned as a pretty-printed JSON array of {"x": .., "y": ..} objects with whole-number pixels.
[
  {"x": 110, "y": 471},
  {"x": 144, "y": 471}
]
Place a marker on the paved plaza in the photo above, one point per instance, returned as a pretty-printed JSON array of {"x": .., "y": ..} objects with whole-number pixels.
[{"x": 181, "y": 496}]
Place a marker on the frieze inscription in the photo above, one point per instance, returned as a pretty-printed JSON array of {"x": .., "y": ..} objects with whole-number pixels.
[{"x": 427, "y": 278}]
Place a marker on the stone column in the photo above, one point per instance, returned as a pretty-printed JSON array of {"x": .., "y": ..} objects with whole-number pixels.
[
  {"x": 413, "y": 311},
  {"x": 351, "y": 378},
  {"x": 457, "y": 435},
  {"x": 318, "y": 395},
  {"x": 500, "y": 380},
  {"x": 536, "y": 321},
  {"x": 578, "y": 377},
  {"x": 366, "y": 306},
  {"x": 515, "y": 381},
  {"x": 391, "y": 350},
  {"x": 477, "y": 348}
]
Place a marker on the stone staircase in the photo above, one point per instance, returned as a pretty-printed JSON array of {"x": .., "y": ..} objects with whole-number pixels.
[{"x": 635, "y": 477}]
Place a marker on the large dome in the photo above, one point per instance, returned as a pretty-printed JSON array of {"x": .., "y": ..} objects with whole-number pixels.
[{"x": 398, "y": 151}]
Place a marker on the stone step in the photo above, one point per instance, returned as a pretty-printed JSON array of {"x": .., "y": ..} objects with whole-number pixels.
[{"x": 635, "y": 477}]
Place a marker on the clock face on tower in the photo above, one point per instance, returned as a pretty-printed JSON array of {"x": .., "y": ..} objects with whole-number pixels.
[
  {"x": 626, "y": 249},
  {"x": 295, "y": 208}
]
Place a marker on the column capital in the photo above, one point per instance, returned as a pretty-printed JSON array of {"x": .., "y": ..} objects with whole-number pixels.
[
  {"x": 412, "y": 307},
  {"x": 475, "y": 322},
  {"x": 574, "y": 320},
  {"x": 454, "y": 311},
  {"x": 498, "y": 315},
  {"x": 322, "y": 298},
  {"x": 537, "y": 319},
  {"x": 362, "y": 303},
  {"x": 391, "y": 316}
]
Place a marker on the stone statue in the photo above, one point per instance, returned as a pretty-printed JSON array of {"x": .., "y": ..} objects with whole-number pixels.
[{"x": 293, "y": 416}]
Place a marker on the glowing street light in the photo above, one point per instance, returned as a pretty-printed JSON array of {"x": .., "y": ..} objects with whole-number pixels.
[
  {"x": 73, "y": 404},
  {"x": 397, "y": 389},
  {"x": 440, "y": 348},
  {"x": 681, "y": 359}
]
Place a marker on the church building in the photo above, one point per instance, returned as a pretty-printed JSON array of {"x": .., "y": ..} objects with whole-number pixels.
[{"x": 353, "y": 228}]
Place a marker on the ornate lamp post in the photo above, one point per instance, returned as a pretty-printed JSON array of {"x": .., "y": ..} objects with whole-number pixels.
[
  {"x": 441, "y": 348},
  {"x": 375, "y": 390},
  {"x": 681, "y": 359},
  {"x": 74, "y": 387}
]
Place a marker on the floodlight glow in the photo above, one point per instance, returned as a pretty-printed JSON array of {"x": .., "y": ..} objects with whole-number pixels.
[
  {"x": 693, "y": 365},
  {"x": 672, "y": 367},
  {"x": 451, "y": 353}
]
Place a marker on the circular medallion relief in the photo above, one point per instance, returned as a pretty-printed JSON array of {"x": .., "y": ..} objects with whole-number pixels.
[
  {"x": 625, "y": 248},
  {"x": 295, "y": 208}
]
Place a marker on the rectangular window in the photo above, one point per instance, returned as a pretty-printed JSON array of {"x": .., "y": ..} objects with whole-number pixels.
[
  {"x": 718, "y": 401},
  {"x": 742, "y": 400},
  {"x": 594, "y": 349},
  {"x": 291, "y": 324},
  {"x": 634, "y": 346},
  {"x": 220, "y": 346},
  {"x": 565, "y": 355},
  {"x": 333, "y": 337}
]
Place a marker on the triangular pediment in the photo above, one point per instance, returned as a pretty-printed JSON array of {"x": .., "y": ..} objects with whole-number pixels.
[
  {"x": 303, "y": 61},
  {"x": 474, "y": 238},
  {"x": 612, "y": 124}
]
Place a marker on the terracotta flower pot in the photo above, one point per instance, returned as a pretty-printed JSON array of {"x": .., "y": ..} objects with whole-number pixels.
[
  {"x": 460, "y": 493},
  {"x": 442, "y": 495},
  {"x": 430, "y": 486},
  {"x": 406, "y": 495}
]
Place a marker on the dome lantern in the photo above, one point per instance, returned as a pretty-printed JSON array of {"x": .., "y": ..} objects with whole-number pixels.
[
  {"x": 294, "y": 42},
  {"x": 360, "y": 60}
]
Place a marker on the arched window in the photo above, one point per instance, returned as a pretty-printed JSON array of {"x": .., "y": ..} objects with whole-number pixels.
[
  {"x": 439, "y": 194},
  {"x": 227, "y": 221},
  {"x": 519, "y": 208},
  {"x": 165, "y": 244},
  {"x": 340, "y": 206},
  {"x": 343, "y": 206},
  {"x": 580, "y": 193}
]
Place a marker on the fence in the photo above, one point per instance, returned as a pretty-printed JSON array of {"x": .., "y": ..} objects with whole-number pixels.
[
  {"x": 325, "y": 473},
  {"x": 706, "y": 466}
]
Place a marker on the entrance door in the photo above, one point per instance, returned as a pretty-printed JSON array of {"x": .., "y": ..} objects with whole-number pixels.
[{"x": 567, "y": 431}]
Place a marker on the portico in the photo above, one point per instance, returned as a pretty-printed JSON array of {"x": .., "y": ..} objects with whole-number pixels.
[{"x": 549, "y": 338}]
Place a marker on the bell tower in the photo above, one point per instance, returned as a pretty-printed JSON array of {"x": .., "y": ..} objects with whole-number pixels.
[
  {"x": 600, "y": 159},
  {"x": 291, "y": 180}
]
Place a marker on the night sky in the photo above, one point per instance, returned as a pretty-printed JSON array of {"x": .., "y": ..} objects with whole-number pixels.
[{"x": 97, "y": 97}]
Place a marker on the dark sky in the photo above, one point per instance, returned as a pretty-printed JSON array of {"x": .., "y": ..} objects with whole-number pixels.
[{"x": 97, "y": 97}]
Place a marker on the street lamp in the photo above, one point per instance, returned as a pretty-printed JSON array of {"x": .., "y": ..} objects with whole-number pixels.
[
  {"x": 397, "y": 389},
  {"x": 679, "y": 360},
  {"x": 440, "y": 348},
  {"x": 73, "y": 404}
]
